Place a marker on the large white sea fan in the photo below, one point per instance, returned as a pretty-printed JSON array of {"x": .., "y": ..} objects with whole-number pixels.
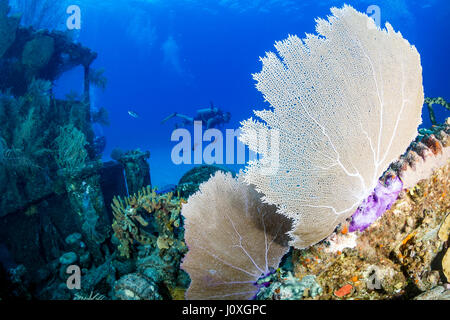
[{"x": 346, "y": 103}]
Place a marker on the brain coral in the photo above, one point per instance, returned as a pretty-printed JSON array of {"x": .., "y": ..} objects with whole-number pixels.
[
  {"x": 233, "y": 239},
  {"x": 345, "y": 104}
]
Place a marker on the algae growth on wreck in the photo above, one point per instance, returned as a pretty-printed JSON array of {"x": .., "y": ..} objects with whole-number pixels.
[{"x": 189, "y": 150}]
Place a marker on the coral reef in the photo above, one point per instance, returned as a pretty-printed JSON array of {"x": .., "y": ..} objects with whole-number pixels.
[
  {"x": 233, "y": 239},
  {"x": 339, "y": 133},
  {"x": 154, "y": 222},
  {"x": 385, "y": 256},
  {"x": 389, "y": 249},
  {"x": 283, "y": 285},
  {"x": 398, "y": 256},
  {"x": 333, "y": 138}
]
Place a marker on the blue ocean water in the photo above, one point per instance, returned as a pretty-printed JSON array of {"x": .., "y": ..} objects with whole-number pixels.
[{"x": 165, "y": 56}]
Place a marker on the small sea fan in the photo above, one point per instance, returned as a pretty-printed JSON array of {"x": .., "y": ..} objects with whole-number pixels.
[
  {"x": 346, "y": 103},
  {"x": 233, "y": 239},
  {"x": 70, "y": 148},
  {"x": 91, "y": 296}
]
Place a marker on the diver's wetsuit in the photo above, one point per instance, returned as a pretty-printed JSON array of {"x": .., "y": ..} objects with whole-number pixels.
[{"x": 210, "y": 117}]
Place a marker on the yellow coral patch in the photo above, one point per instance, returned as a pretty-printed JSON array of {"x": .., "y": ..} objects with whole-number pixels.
[
  {"x": 444, "y": 231},
  {"x": 446, "y": 264}
]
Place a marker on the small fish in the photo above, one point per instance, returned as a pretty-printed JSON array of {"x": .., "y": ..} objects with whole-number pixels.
[
  {"x": 133, "y": 114},
  {"x": 166, "y": 189}
]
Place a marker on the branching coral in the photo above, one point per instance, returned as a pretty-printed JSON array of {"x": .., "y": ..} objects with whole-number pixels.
[
  {"x": 149, "y": 229},
  {"x": 346, "y": 103},
  {"x": 160, "y": 213}
]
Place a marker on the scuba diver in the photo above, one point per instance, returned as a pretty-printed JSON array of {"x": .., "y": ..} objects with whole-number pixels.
[{"x": 211, "y": 117}]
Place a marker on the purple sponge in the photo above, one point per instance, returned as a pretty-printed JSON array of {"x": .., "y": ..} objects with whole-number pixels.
[{"x": 380, "y": 200}]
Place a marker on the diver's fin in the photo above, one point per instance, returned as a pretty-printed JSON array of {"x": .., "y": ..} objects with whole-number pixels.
[{"x": 170, "y": 116}]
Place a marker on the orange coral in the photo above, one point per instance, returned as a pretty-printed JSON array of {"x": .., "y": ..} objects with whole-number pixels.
[{"x": 343, "y": 291}]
